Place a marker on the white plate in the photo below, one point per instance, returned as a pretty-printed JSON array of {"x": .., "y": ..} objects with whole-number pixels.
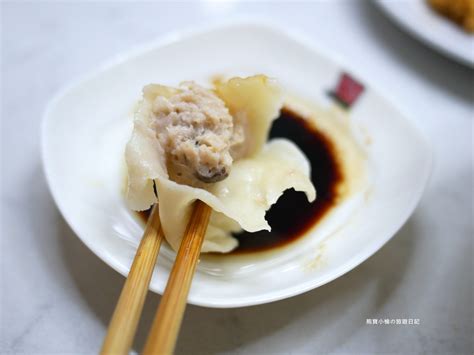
[
  {"x": 86, "y": 127},
  {"x": 419, "y": 19}
]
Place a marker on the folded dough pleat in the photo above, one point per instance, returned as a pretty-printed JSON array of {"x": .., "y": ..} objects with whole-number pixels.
[{"x": 244, "y": 197}]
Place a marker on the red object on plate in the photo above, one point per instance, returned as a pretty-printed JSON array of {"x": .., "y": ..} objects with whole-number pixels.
[{"x": 348, "y": 89}]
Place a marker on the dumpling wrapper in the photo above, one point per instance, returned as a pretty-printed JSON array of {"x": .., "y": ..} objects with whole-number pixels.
[{"x": 255, "y": 183}]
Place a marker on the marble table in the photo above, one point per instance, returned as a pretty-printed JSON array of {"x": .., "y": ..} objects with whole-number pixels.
[{"x": 57, "y": 297}]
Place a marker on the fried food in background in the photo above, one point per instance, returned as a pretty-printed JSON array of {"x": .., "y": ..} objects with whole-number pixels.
[{"x": 459, "y": 11}]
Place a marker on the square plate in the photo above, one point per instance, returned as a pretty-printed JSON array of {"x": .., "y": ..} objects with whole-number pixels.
[{"x": 86, "y": 126}]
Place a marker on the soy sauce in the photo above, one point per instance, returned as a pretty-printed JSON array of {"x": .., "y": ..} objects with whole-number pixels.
[{"x": 292, "y": 216}]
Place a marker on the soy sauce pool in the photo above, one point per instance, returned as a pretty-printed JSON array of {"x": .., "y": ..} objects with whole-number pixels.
[{"x": 292, "y": 216}]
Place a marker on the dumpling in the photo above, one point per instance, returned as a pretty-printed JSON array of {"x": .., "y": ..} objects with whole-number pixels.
[{"x": 251, "y": 175}]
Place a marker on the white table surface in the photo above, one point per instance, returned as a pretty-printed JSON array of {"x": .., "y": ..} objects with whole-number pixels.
[{"x": 57, "y": 297}]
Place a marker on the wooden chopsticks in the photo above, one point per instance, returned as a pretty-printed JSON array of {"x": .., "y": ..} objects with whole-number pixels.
[
  {"x": 165, "y": 327},
  {"x": 129, "y": 307}
]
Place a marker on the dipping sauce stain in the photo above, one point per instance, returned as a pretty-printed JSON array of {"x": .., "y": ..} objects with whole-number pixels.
[{"x": 292, "y": 216}]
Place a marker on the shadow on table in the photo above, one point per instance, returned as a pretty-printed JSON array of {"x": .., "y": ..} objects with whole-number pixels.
[
  {"x": 422, "y": 60},
  {"x": 215, "y": 330}
]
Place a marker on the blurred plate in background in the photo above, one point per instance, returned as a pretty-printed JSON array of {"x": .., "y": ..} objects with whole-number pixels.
[{"x": 419, "y": 19}]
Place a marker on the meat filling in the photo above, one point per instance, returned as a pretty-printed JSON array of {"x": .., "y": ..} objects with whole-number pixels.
[{"x": 196, "y": 130}]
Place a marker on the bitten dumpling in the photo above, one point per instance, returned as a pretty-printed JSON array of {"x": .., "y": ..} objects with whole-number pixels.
[{"x": 196, "y": 143}]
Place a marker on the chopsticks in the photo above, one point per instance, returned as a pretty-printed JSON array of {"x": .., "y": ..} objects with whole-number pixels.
[
  {"x": 129, "y": 307},
  {"x": 165, "y": 328}
]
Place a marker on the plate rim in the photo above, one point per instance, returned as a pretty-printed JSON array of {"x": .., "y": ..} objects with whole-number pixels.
[
  {"x": 423, "y": 37},
  {"x": 293, "y": 35}
]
